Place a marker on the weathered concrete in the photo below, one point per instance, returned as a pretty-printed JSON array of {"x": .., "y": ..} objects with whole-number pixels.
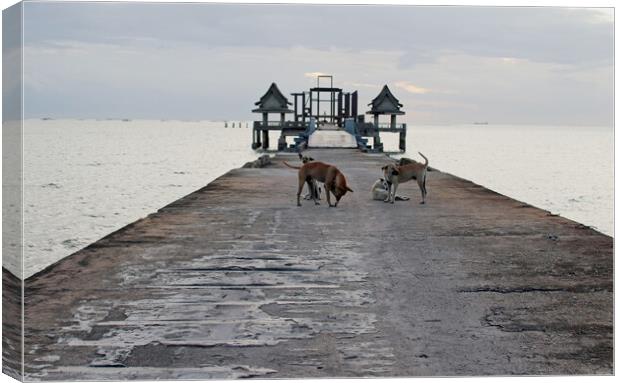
[{"x": 234, "y": 280}]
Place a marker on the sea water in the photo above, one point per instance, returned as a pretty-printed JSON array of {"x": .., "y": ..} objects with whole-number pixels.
[
  {"x": 567, "y": 170},
  {"x": 84, "y": 179}
]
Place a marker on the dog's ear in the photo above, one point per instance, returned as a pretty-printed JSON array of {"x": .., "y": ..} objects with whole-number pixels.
[
  {"x": 395, "y": 172},
  {"x": 349, "y": 189}
]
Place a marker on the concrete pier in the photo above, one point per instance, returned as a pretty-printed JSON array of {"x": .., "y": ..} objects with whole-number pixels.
[{"x": 234, "y": 280}]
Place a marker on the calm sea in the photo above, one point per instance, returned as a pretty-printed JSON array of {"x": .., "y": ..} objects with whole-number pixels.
[
  {"x": 87, "y": 178},
  {"x": 566, "y": 170}
]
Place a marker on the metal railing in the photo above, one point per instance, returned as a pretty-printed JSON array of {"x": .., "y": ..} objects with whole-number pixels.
[
  {"x": 278, "y": 125},
  {"x": 388, "y": 126}
]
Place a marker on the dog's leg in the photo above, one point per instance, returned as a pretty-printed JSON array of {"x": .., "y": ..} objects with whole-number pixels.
[
  {"x": 389, "y": 191},
  {"x": 394, "y": 186},
  {"x": 315, "y": 190},
  {"x": 307, "y": 196},
  {"x": 300, "y": 188},
  {"x": 311, "y": 188},
  {"x": 318, "y": 190},
  {"x": 422, "y": 186},
  {"x": 315, "y": 193},
  {"x": 327, "y": 191}
]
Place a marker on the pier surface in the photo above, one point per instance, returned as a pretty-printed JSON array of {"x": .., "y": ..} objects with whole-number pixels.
[{"x": 234, "y": 280}]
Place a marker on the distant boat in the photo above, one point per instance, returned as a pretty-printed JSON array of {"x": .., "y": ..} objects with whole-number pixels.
[{"x": 481, "y": 123}]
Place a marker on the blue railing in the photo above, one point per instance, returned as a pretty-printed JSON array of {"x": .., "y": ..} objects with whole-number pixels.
[
  {"x": 387, "y": 125},
  {"x": 279, "y": 125}
]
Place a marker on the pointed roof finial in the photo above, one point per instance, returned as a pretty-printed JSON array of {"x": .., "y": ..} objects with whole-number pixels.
[
  {"x": 385, "y": 103},
  {"x": 273, "y": 101}
]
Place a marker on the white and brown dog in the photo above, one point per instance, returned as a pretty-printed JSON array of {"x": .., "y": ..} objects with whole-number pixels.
[
  {"x": 397, "y": 174},
  {"x": 379, "y": 190},
  {"x": 314, "y": 192}
]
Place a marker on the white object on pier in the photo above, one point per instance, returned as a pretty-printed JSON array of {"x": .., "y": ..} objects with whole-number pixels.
[{"x": 331, "y": 139}]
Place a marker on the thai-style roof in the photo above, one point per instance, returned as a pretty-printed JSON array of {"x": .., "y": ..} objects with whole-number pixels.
[
  {"x": 273, "y": 101},
  {"x": 385, "y": 103}
]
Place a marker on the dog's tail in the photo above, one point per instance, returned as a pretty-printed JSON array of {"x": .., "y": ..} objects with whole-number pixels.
[
  {"x": 291, "y": 166},
  {"x": 425, "y": 159}
]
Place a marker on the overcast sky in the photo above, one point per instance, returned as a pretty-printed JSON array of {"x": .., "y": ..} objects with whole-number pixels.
[{"x": 206, "y": 61}]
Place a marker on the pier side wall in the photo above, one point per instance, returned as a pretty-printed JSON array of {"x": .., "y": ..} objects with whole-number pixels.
[{"x": 12, "y": 191}]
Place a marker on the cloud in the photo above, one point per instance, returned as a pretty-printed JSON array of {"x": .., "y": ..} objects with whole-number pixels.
[
  {"x": 543, "y": 34},
  {"x": 601, "y": 15},
  {"x": 361, "y": 85},
  {"x": 411, "y": 88},
  {"x": 510, "y": 60},
  {"x": 315, "y": 74},
  {"x": 527, "y": 65}
]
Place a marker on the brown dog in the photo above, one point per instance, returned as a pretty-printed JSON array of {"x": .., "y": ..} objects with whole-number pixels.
[
  {"x": 329, "y": 175},
  {"x": 395, "y": 175}
]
